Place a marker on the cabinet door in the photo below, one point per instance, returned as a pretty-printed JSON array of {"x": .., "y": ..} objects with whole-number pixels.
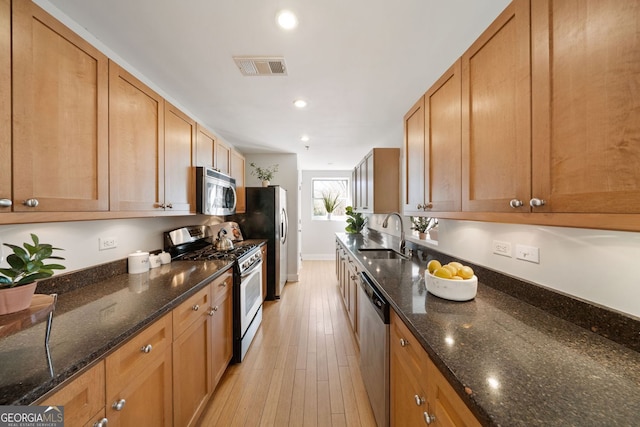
[
  {"x": 363, "y": 197},
  {"x": 82, "y": 398},
  {"x": 60, "y": 116},
  {"x": 413, "y": 164},
  {"x": 354, "y": 188},
  {"x": 136, "y": 143},
  {"x": 179, "y": 147},
  {"x": 585, "y": 69},
  {"x": 222, "y": 331},
  {"x": 369, "y": 182},
  {"x": 222, "y": 157},
  {"x": 205, "y": 142},
  {"x": 496, "y": 128},
  {"x": 237, "y": 172},
  {"x": 443, "y": 145},
  {"x": 5, "y": 105},
  {"x": 445, "y": 404}
]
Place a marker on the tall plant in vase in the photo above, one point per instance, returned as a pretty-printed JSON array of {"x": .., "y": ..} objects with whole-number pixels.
[{"x": 265, "y": 174}]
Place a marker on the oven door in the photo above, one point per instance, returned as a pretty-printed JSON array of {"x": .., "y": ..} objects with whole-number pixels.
[{"x": 250, "y": 295}]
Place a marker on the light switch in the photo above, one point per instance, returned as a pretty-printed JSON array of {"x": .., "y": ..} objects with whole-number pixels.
[{"x": 528, "y": 253}]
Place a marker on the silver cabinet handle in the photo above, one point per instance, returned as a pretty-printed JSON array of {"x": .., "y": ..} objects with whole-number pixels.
[
  {"x": 147, "y": 348},
  {"x": 427, "y": 206},
  {"x": 515, "y": 203},
  {"x": 419, "y": 206},
  {"x": 419, "y": 400},
  {"x": 102, "y": 423},
  {"x": 212, "y": 311},
  {"x": 195, "y": 307},
  {"x": 119, "y": 405},
  {"x": 5, "y": 203},
  {"x": 536, "y": 203},
  {"x": 403, "y": 342},
  {"x": 169, "y": 206},
  {"x": 32, "y": 203},
  {"x": 428, "y": 418}
]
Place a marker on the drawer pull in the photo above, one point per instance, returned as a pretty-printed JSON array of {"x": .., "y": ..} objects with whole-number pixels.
[
  {"x": 213, "y": 310},
  {"x": 428, "y": 418},
  {"x": 102, "y": 423},
  {"x": 515, "y": 203},
  {"x": 403, "y": 342},
  {"x": 5, "y": 203},
  {"x": 195, "y": 307},
  {"x": 419, "y": 400},
  {"x": 119, "y": 405},
  {"x": 31, "y": 203},
  {"x": 536, "y": 203},
  {"x": 147, "y": 348}
]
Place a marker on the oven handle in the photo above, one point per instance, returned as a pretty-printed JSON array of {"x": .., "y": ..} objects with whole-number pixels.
[{"x": 252, "y": 269}]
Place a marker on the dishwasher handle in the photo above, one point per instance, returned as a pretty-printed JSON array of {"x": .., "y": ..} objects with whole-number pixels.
[{"x": 377, "y": 301}]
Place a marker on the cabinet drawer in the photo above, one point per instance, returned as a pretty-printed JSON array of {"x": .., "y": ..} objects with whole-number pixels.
[
  {"x": 82, "y": 398},
  {"x": 411, "y": 352},
  {"x": 222, "y": 284},
  {"x": 130, "y": 359},
  {"x": 186, "y": 313}
]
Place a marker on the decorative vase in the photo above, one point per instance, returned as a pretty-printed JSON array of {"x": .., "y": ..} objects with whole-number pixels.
[
  {"x": 328, "y": 215},
  {"x": 17, "y": 298},
  {"x": 265, "y": 183},
  {"x": 423, "y": 236}
]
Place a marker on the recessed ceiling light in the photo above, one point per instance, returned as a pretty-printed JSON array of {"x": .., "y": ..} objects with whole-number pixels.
[
  {"x": 300, "y": 103},
  {"x": 287, "y": 20},
  {"x": 304, "y": 138}
]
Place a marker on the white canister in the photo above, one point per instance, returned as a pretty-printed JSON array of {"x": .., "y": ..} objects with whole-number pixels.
[
  {"x": 154, "y": 261},
  {"x": 165, "y": 257},
  {"x": 138, "y": 262}
]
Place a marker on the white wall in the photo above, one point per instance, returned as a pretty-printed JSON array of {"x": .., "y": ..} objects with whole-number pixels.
[
  {"x": 318, "y": 236},
  {"x": 599, "y": 266},
  {"x": 286, "y": 177}
]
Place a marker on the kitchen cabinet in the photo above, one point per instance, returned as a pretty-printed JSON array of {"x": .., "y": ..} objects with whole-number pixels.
[
  {"x": 263, "y": 251},
  {"x": 6, "y": 199},
  {"x": 348, "y": 282},
  {"x": 419, "y": 393},
  {"x": 585, "y": 156},
  {"x": 432, "y": 148},
  {"x": 378, "y": 181},
  {"x": 192, "y": 351},
  {"x": 82, "y": 398},
  {"x": 136, "y": 143},
  {"x": 179, "y": 148},
  {"x": 496, "y": 146},
  {"x": 205, "y": 142},
  {"x": 237, "y": 164},
  {"x": 222, "y": 324},
  {"x": 139, "y": 379},
  {"x": 222, "y": 157},
  {"x": 60, "y": 116}
]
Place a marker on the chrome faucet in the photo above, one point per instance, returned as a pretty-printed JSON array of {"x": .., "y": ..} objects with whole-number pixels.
[{"x": 385, "y": 223}]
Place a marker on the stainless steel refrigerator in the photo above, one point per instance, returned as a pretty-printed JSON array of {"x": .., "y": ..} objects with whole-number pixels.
[{"x": 266, "y": 218}]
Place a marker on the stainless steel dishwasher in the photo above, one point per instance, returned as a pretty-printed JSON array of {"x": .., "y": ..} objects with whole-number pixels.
[{"x": 373, "y": 317}]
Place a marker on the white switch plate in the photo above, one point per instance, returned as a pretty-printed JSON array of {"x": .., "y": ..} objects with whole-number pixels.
[
  {"x": 105, "y": 243},
  {"x": 502, "y": 248},
  {"x": 528, "y": 253}
]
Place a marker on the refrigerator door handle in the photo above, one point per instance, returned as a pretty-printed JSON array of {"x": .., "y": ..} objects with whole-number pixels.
[{"x": 284, "y": 226}]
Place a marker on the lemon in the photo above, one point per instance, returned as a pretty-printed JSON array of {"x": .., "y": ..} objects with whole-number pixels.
[
  {"x": 457, "y": 278},
  {"x": 465, "y": 272},
  {"x": 451, "y": 268},
  {"x": 433, "y": 265},
  {"x": 456, "y": 265},
  {"x": 443, "y": 273}
]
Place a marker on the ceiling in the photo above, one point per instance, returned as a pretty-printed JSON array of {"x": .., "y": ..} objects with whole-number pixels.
[{"x": 360, "y": 64}]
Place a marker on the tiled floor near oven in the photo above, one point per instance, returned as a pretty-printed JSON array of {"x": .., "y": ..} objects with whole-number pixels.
[{"x": 302, "y": 368}]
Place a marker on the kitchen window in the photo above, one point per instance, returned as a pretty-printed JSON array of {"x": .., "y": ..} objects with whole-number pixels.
[{"x": 332, "y": 191}]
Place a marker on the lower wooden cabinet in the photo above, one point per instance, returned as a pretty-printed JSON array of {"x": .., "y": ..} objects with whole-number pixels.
[
  {"x": 348, "y": 281},
  {"x": 420, "y": 394},
  {"x": 82, "y": 398},
  {"x": 222, "y": 325}
]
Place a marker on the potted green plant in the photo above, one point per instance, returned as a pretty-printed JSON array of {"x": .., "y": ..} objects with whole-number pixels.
[
  {"x": 26, "y": 266},
  {"x": 422, "y": 224},
  {"x": 355, "y": 222},
  {"x": 330, "y": 203},
  {"x": 264, "y": 174}
]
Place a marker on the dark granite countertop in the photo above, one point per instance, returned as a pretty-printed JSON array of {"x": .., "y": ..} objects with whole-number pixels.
[
  {"x": 91, "y": 321},
  {"x": 521, "y": 365}
]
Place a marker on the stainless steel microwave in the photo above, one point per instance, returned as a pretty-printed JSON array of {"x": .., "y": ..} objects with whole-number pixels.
[{"x": 215, "y": 192}]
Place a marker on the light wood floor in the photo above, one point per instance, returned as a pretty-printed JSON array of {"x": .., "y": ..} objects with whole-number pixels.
[{"x": 302, "y": 368}]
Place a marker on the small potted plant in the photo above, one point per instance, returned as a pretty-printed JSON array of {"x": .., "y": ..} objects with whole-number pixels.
[
  {"x": 264, "y": 174},
  {"x": 423, "y": 224},
  {"x": 356, "y": 222},
  {"x": 330, "y": 202},
  {"x": 26, "y": 266}
]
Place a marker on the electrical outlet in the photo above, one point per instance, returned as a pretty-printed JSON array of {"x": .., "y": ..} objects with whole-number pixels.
[
  {"x": 528, "y": 253},
  {"x": 502, "y": 248},
  {"x": 105, "y": 243}
]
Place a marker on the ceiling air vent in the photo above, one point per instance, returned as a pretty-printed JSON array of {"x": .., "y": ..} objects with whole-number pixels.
[{"x": 261, "y": 66}]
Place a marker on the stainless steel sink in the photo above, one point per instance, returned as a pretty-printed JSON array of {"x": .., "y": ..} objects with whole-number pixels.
[{"x": 381, "y": 253}]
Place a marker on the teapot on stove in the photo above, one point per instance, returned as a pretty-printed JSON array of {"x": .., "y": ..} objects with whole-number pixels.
[{"x": 223, "y": 243}]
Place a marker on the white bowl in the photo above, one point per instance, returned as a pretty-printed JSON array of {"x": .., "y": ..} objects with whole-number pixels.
[{"x": 454, "y": 290}]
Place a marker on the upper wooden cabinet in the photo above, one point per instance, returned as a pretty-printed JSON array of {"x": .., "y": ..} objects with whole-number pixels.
[
  {"x": 496, "y": 111},
  {"x": 222, "y": 157},
  {"x": 585, "y": 70},
  {"x": 5, "y": 106},
  {"x": 432, "y": 148},
  {"x": 136, "y": 143},
  {"x": 378, "y": 181},
  {"x": 179, "y": 157},
  {"x": 237, "y": 164},
  {"x": 205, "y": 143},
  {"x": 60, "y": 115}
]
